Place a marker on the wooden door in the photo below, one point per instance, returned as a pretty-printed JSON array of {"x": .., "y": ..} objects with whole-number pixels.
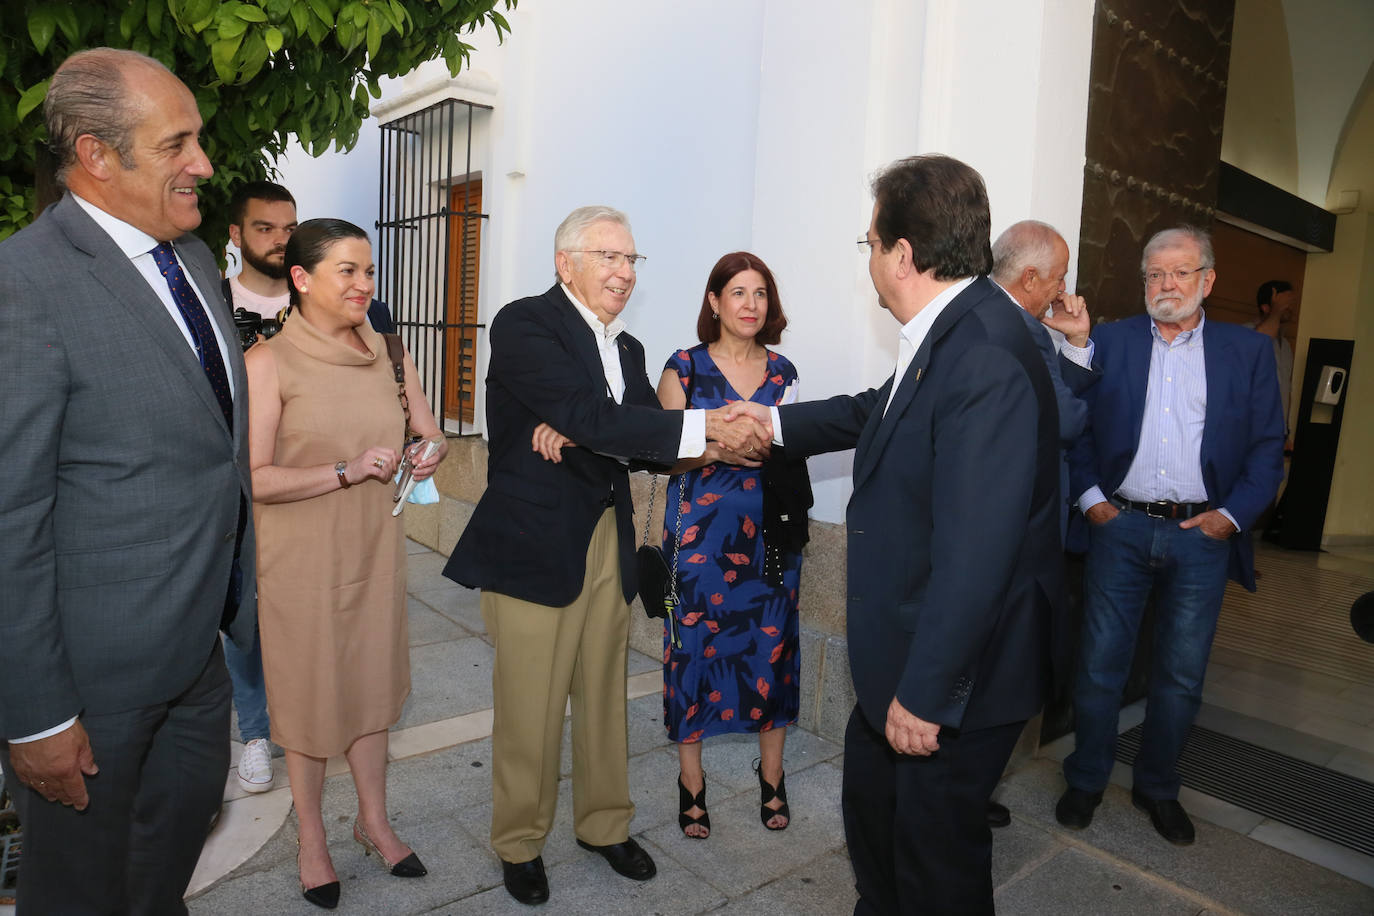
[{"x": 460, "y": 339}]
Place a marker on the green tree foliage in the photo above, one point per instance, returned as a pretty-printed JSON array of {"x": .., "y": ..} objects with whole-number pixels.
[{"x": 262, "y": 72}]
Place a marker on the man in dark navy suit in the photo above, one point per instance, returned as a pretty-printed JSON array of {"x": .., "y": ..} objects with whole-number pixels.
[
  {"x": 953, "y": 548},
  {"x": 1183, "y": 451}
]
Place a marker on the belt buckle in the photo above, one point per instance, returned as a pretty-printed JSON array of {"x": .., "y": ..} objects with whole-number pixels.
[{"x": 1158, "y": 509}]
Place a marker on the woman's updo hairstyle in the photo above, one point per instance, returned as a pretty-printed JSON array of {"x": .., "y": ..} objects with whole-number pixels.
[{"x": 310, "y": 243}]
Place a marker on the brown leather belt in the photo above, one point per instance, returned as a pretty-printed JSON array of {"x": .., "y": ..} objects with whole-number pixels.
[{"x": 1163, "y": 508}]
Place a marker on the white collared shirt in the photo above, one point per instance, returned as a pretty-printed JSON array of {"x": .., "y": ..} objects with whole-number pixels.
[
  {"x": 909, "y": 340},
  {"x": 1081, "y": 356},
  {"x": 915, "y": 331},
  {"x": 693, "y": 441},
  {"x": 138, "y": 246}
]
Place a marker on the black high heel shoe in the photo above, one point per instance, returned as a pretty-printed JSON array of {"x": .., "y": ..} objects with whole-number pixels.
[
  {"x": 325, "y": 896},
  {"x": 686, "y": 801},
  {"x": 766, "y": 794},
  {"x": 409, "y": 867}
]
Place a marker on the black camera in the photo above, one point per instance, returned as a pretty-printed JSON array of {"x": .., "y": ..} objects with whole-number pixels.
[{"x": 251, "y": 325}]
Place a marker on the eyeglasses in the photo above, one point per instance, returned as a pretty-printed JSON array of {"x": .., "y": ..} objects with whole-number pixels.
[
  {"x": 612, "y": 259},
  {"x": 866, "y": 244},
  {"x": 1154, "y": 277}
]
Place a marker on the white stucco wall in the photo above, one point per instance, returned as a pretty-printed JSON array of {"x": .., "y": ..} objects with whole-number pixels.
[{"x": 727, "y": 124}]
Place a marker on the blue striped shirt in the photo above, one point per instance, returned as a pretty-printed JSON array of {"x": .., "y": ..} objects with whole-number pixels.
[{"x": 1168, "y": 458}]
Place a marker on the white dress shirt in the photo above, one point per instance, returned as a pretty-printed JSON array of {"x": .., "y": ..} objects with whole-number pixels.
[
  {"x": 138, "y": 246},
  {"x": 909, "y": 340},
  {"x": 693, "y": 441}
]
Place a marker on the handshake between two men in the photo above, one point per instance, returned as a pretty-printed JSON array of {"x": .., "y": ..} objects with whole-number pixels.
[{"x": 739, "y": 433}]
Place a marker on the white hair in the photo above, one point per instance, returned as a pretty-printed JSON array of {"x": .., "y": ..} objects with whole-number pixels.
[
  {"x": 568, "y": 236},
  {"x": 1173, "y": 238},
  {"x": 1029, "y": 243}
]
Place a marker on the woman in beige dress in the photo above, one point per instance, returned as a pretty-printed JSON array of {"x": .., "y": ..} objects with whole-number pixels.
[{"x": 326, "y": 429}]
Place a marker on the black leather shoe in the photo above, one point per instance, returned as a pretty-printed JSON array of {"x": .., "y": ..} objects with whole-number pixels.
[
  {"x": 526, "y": 881},
  {"x": 1076, "y": 807},
  {"x": 1168, "y": 816},
  {"x": 998, "y": 815},
  {"x": 628, "y": 859}
]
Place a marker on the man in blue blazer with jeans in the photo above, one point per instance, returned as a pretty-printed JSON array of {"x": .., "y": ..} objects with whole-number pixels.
[{"x": 1183, "y": 452}]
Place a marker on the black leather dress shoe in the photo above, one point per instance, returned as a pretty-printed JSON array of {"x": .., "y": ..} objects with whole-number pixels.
[
  {"x": 1076, "y": 807},
  {"x": 1168, "y": 816},
  {"x": 628, "y": 859},
  {"x": 998, "y": 815},
  {"x": 526, "y": 881}
]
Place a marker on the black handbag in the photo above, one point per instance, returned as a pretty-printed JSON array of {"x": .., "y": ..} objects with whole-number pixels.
[{"x": 657, "y": 581}]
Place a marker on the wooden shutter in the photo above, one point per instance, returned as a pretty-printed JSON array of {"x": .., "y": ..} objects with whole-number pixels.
[{"x": 464, "y": 258}]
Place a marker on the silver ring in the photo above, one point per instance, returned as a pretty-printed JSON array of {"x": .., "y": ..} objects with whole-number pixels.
[{"x": 379, "y": 462}]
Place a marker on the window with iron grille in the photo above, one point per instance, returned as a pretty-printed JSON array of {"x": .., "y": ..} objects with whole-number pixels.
[{"x": 429, "y": 251}]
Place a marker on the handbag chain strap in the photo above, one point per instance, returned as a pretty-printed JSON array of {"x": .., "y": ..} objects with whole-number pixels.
[{"x": 677, "y": 537}]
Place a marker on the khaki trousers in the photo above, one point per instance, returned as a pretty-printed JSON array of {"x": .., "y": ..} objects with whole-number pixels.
[{"x": 544, "y": 655}]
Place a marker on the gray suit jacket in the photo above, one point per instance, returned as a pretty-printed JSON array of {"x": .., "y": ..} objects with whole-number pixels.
[{"x": 122, "y": 484}]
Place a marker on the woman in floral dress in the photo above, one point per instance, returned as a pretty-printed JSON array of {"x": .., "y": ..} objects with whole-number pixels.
[{"x": 738, "y": 665}]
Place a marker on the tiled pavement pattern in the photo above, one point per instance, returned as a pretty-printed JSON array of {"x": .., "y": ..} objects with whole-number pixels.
[{"x": 440, "y": 802}]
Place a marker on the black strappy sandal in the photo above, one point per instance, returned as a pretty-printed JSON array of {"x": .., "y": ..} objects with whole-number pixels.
[
  {"x": 767, "y": 793},
  {"x": 686, "y": 801}
]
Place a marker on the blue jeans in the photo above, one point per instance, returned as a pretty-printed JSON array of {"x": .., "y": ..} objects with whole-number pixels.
[
  {"x": 1127, "y": 557},
  {"x": 250, "y": 692}
]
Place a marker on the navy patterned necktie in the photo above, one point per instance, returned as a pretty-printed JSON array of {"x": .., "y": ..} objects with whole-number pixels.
[{"x": 202, "y": 334}]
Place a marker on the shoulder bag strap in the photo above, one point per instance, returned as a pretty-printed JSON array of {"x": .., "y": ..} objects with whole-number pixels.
[{"x": 397, "y": 354}]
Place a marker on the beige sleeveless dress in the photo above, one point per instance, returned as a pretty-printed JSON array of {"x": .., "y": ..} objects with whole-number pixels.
[{"x": 331, "y": 569}]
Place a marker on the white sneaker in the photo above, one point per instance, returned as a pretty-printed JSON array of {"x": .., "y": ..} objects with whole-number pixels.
[{"x": 255, "y": 766}]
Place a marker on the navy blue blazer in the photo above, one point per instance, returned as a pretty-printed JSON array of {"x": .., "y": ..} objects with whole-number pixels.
[
  {"x": 529, "y": 534},
  {"x": 1242, "y": 437},
  {"x": 953, "y": 526}
]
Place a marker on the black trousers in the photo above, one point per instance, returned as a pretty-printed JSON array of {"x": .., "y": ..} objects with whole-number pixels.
[
  {"x": 134, "y": 848},
  {"x": 917, "y": 827}
]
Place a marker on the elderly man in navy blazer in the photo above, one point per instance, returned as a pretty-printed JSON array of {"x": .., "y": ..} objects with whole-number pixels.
[
  {"x": 1183, "y": 452},
  {"x": 953, "y": 551},
  {"x": 551, "y": 544}
]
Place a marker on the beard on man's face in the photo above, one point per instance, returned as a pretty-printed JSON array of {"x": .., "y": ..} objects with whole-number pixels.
[
  {"x": 274, "y": 270},
  {"x": 1173, "y": 306}
]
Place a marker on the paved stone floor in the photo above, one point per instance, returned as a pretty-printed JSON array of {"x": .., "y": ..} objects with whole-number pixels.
[{"x": 440, "y": 799}]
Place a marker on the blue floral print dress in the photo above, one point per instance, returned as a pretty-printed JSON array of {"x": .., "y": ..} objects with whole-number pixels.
[{"x": 738, "y": 668}]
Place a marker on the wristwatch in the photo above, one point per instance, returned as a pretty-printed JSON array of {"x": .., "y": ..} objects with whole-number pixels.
[{"x": 339, "y": 468}]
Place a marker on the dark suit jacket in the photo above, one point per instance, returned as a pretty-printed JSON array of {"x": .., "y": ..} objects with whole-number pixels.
[
  {"x": 528, "y": 536},
  {"x": 119, "y": 503},
  {"x": 953, "y": 552},
  {"x": 1242, "y": 439}
]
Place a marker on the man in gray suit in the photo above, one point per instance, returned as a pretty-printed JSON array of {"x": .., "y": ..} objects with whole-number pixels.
[{"x": 125, "y": 538}]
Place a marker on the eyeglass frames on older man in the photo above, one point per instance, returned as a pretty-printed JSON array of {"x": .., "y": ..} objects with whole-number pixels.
[
  {"x": 1154, "y": 277},
  {"x": 612, "y": 259},
  {"x": 866, "y": 244}
]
